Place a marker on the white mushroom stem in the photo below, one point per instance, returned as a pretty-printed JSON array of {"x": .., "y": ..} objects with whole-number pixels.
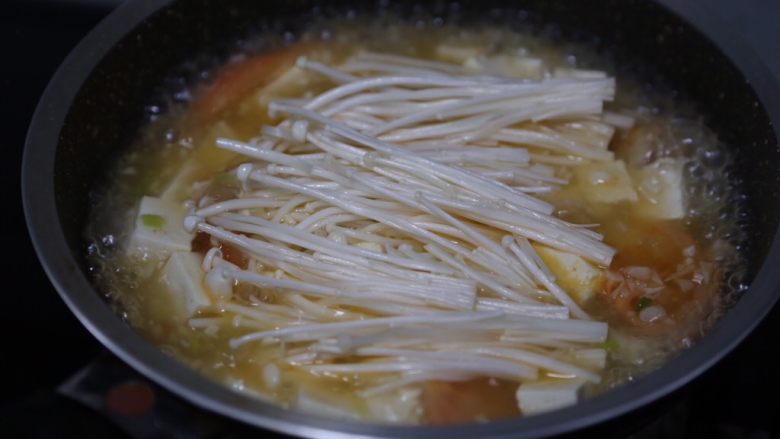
[{"x": 375, "y": 217}]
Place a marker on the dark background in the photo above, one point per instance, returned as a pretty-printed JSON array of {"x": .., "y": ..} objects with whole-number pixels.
[{"x": 43, "y": 344}]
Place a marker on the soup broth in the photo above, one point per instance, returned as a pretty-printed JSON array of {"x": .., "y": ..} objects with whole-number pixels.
[{"x": 640, "y": 181}]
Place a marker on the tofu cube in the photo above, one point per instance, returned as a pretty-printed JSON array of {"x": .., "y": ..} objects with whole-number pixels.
[
  {"x": 159, "y": 229},
  {"x": 570, "y": 73},
  {"x": 578, "y": 277},
  {"x": 546, "y": 395},
  {"x": 370, "y": 245},
  {"x": 660, "y": 188},
  {"x": 456, "y": 53},
  {"x": 402, "y": 406},
  {"x": 605, "y": 182},
  {"x": 177, "y": 188},
  {"x": 505, "y": 65},
  {"x": 591, "y": 359},
  {"x": 293, "y": 79},
  {"x": 184, "y": 277},
  {"x": 327, "y": 407}
]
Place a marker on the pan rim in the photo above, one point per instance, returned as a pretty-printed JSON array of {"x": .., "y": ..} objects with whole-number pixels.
[{"x": 75, "y": 289}]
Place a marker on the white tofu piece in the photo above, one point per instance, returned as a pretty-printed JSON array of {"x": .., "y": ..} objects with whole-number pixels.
[
  {"x": 370, "y": 245},
  {"x": 295, "y": 78},
  {"x": 578, "y": 277},
  {"x": 402, "y": 406},
  {"x": 660, "y": 188},
  {"x": 546, "y": 395},
  {"x": 456, "y": 53},
  {"x": 591, "y": 359},
  {"x": 605, "y": 182},
  {"x": 618, "y": 120},
  {"x": 184, "y": 277},
  {"x": 632, "y": 349},
  {"x": 591, "y": 134},
  {"x": 569, "y": 73},
  {"x": 177, "y": 188},
  {"x": 316, "y": 406},
  {"x": 506, "y": 65},
  {"x": 159, "y": 228}
]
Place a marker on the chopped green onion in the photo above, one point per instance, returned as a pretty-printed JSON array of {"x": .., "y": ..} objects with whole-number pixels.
[
  {"x": 643, "y": 303},
  {"x": 609, "y": 345},
  {"x": 153, "y": 221}
]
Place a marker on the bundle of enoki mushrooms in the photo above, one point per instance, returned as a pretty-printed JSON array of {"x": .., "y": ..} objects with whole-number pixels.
[{"x": 390, "y": 224}]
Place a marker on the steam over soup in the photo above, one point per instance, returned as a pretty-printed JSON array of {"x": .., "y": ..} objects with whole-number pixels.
[{"x": 439, "y": 225}]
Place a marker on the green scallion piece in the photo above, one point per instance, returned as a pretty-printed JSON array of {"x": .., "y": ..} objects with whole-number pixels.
[
  {"x": 609, "y": 345},
  {"x": 643, "y": 303},
  {"x": 152, "y": 221}
]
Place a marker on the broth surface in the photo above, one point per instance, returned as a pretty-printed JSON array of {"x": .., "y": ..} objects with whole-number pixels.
[{"x": 694, "y": 257}]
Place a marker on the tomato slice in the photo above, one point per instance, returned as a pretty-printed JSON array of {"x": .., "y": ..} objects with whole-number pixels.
[{"x": 241, "y": 77}]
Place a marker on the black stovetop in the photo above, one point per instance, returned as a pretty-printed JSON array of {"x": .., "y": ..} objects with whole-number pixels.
[{"x": 43, "y": 344}]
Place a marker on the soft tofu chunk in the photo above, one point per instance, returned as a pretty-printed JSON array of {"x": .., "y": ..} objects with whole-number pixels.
[
  {"x": 660, "y": 188},
  {"x": 456, "y": 53},
  {"x": 295, "y": 78},
  {"x": 591, "y": 134},
  {"x": 506, "y": 65},
  {"x": 183, "y": 275},
  {"x": 317, "y": 405},
  {"x": 159, "y": 229},
  {"x": 396, "y": 407},
  {"x": 546, "y": 395},
  {"x": 592, "y": 359},
  {"x": 178, "y": 186},
  {"x": 605, "y": 182},
  {"x": 370, "y": 245},
  {"x": 569, "y": 73},
  {"x": 575, "y": 275},
  {"x": 631, "y": 349}
]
